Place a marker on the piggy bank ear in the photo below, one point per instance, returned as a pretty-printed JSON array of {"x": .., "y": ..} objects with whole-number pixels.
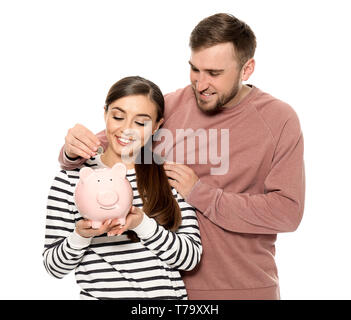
[
  {"x": 85, "y": 172},
  {"x": 120, "y": 170}
]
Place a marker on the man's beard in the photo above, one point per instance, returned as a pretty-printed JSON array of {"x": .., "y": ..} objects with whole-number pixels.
[{"x": 220, "y": 103}]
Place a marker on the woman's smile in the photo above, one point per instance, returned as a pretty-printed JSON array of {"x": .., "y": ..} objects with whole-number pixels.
[{"x": 124, "y": 141}]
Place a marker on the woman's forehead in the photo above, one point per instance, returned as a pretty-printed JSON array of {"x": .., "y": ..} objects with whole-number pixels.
[{"x": 137, "y": 105}]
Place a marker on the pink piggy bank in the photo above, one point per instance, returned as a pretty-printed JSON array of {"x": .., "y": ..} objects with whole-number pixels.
[{"x": 103, "y": 194}]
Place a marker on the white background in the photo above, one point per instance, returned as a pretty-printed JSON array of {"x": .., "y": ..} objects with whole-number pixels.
[{"x": 58, "y": 60}]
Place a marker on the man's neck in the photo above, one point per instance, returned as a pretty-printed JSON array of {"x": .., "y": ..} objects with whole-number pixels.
[{"x": 243, "y": 92}]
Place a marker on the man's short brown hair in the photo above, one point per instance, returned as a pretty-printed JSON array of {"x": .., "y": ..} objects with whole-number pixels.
[{"x": 220, "y": 28}]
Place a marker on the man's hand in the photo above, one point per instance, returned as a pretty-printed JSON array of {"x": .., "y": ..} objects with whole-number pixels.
[
  {"x": 81, "y": 142},
  {"x": 84, "y": 228},
  {"x": 184, "y": 178},
  {"x": 133, "y": 219}
]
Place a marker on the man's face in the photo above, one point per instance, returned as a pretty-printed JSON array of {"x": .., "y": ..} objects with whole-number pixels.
[{"x": 215, "y": 77}]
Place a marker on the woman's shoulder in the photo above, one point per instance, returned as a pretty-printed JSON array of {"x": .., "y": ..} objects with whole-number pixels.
[
  {"x": 72, "y": 176},
  {"x": 68, "y": 177}
]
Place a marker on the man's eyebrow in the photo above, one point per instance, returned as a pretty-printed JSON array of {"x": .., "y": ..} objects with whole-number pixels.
[
  {"x": 192, "y": 65},
  {"x": 207, "y": 70},
  {"x": 138, "y": 115}
]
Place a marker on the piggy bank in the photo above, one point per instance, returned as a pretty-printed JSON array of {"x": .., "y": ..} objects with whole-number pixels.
[{"x": 103, "y": 194}]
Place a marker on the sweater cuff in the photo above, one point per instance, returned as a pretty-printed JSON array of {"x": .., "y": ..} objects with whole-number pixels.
[
  {"x": 77, "y": 241},
  {"x": 69, "y": 158},
  {"x": 200, "y": 197},
  {"x": 146, "y": 228}
]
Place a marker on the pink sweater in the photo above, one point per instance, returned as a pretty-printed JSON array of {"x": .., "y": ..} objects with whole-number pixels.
[{"x": 241, "y": 211}]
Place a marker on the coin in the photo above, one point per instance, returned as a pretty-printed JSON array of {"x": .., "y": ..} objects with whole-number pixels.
[{"x": 100, "y": 150}]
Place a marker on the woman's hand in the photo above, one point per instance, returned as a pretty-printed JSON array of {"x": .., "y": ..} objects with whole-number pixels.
[
  {"x": 133, "y": 219},
  {"x": 80, "y": 142},
  {"x": 85, "y": 230}
]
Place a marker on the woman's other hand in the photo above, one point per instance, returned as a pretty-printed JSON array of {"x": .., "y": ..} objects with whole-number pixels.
[
  {"x": 133, "y": 219},
  {"x": 85, "y": 230}
]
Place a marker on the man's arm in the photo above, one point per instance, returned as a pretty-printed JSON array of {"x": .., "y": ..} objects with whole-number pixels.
[
  {"x": 278, "y": 209},
  {"x": 80, "y": 144}
]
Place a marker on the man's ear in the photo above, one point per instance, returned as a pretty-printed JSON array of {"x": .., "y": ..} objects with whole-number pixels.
[{"x": 248, "y": 69}]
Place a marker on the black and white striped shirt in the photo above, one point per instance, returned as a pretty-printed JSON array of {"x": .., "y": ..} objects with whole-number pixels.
[{"x": 115, "y": 267}]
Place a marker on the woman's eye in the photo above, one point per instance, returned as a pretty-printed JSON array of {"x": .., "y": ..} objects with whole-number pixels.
[
  {"x": 140, "y": 123},
  {"x": 117, "y": 118}
]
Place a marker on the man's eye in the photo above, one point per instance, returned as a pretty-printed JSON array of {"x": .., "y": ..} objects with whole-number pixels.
[
  {"x": 214, "y": 74},
  {"x": 194, "y": 69}
]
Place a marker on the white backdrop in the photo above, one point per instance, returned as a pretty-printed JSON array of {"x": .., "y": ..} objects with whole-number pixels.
[{"x": 59, "y": 58}]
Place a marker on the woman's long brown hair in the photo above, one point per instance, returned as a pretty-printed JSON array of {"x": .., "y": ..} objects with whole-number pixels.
[{"x": 152, "y": 181}]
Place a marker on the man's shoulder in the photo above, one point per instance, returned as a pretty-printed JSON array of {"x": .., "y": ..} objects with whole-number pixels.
[
  {"x": 178, "y": 98},
  {"x": 181, "y": 93},
  {"x": 267, "y": 104},
  {"x": 273, "y": 111}
]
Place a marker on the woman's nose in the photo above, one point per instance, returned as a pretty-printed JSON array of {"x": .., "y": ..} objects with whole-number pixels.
[
  {"x": 128, "y": 132},
  {"x": 125, "y": 126}
]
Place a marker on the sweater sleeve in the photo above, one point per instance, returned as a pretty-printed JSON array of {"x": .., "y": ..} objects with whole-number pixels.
[
  {"x": 71, "y": 164},
  {"x": 181, "y": 249},
  {"x": 64, "y": 248},
  {"x": 278, "y": 209}
]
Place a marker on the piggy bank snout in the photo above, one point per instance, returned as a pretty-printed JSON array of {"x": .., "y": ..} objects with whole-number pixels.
[{"x": 107, "y": 198}]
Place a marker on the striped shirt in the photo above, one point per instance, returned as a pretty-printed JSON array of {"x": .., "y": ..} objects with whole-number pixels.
[{"x": 115, "y": 267}]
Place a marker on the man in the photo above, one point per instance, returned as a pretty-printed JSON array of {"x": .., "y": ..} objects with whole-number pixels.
[{"x": 259, "y": 192}]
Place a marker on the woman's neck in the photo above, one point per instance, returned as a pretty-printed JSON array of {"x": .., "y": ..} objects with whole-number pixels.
[{"x": 110, "y": 158}]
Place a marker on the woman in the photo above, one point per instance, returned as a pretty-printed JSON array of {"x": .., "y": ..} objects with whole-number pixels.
[{"x": 141, "y": 259}]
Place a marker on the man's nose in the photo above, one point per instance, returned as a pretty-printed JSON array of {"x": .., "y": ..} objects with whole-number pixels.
[{"x": 201, "y": 83}]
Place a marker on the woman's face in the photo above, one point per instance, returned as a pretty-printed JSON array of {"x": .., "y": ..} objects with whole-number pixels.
[{"x": 130, "y": 122}]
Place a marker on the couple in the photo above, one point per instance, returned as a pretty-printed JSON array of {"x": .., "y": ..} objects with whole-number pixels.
[{"x": 239, "y": 214}]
